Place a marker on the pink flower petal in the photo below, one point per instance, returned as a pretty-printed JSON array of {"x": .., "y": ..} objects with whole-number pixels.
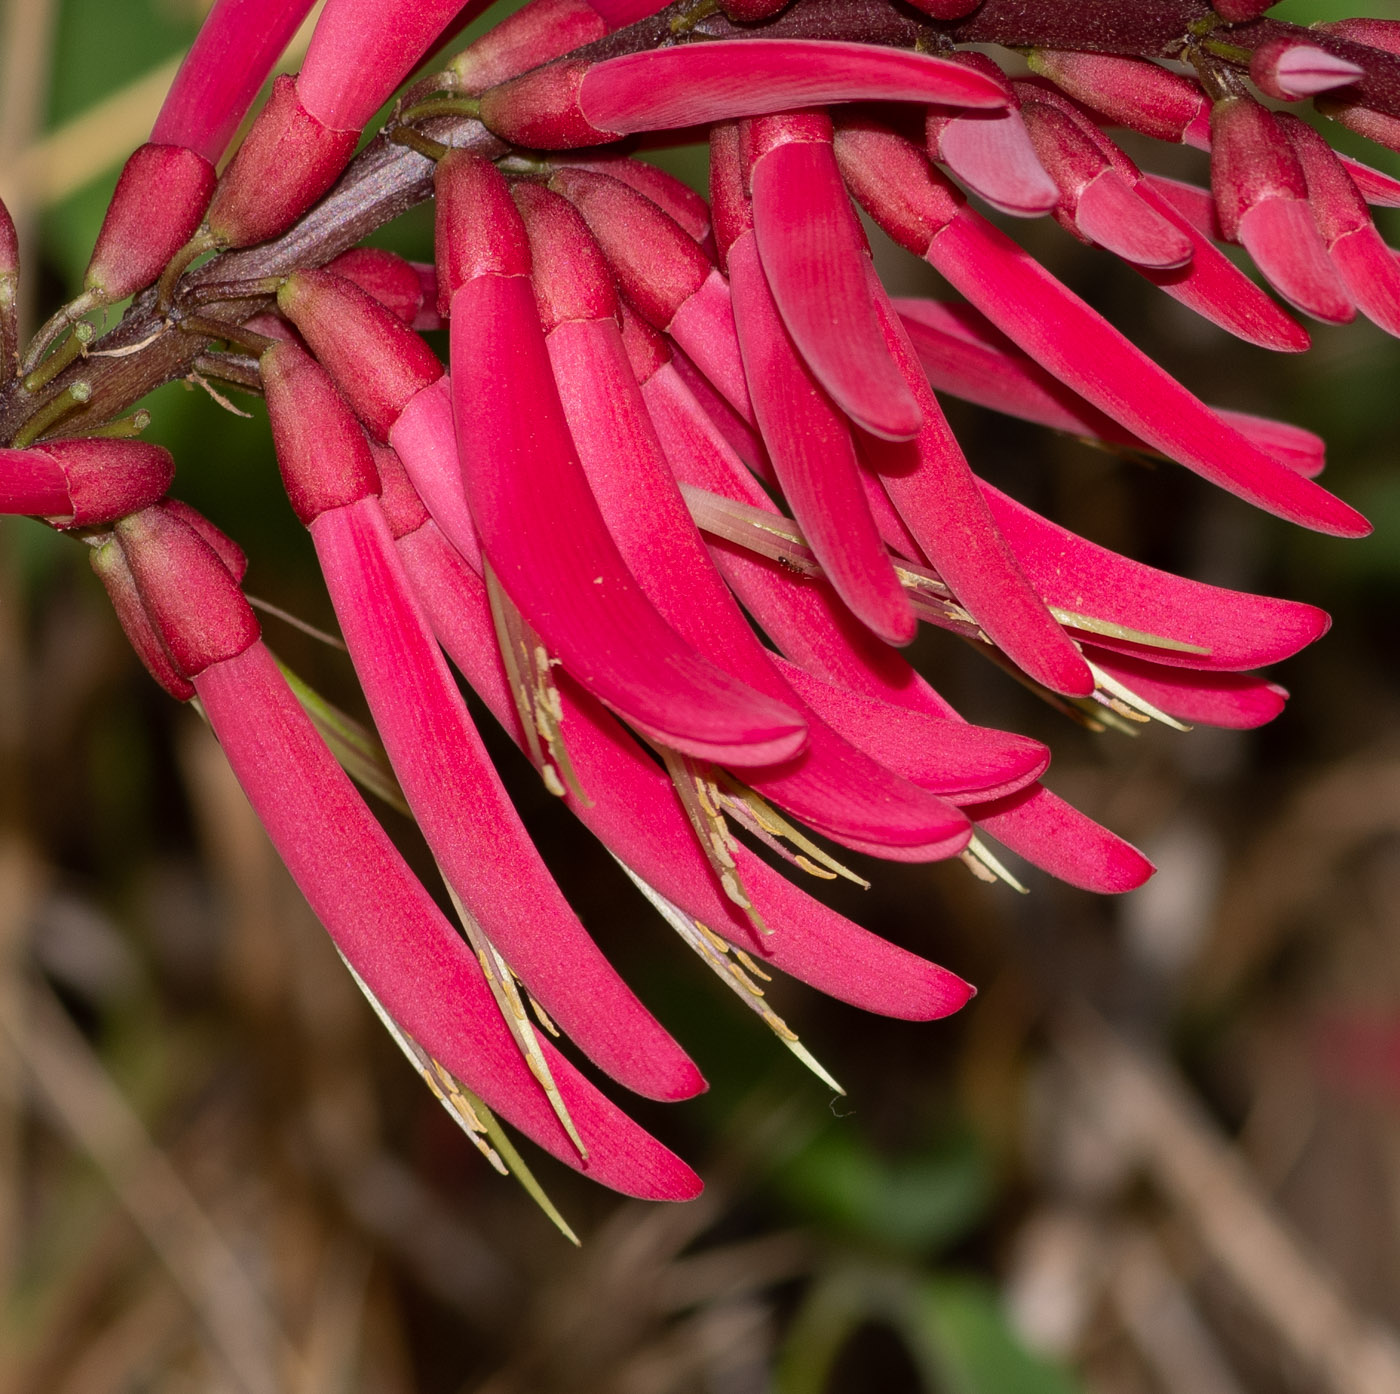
[
  {"x": 992, "y": 154},
  {"x": 1055, "y": 836},
  {"x": 1287, "y": 69},
  {"x": 363, "y": 49},
  {"x": 720, "y": 81},
  {"x": 935, "y": 492},
  {"x": 1237, "y": 701},
  {"x": 964, "y": 763},
  {"x": 395, "y": 937},
  {"x": 1236, "y": 629},
  {"x": 230, "y": 59},
  {"x": 1083, "y": 350},
  {"x": 425, "y": 438},
  {"x": 80, "y": 482},
  {"x": 1058, "y": 330},
  {"x": 814, "y": 258},
  {"x": 1215, "y": 288},
  {"x": 811, "y": 450},
  {"x": 811, "y": 627},
  {"x": 1110, "y": 213},
  {"x": 484, "y": 851},
  {"x": 962, "y": 353},
  {"x": 578, "y": 102},
  {"x": 1371, "y": 274},
  {"x": 540, "y": 527},
  {"x": 704, "y": 328},
  {"x": 33, "y": 483},
  {"x": 664, "y": 274},
  {"x": 1282, "y": 238}
]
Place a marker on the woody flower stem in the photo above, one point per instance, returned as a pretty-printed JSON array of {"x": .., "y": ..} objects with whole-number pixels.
[{"x": 142, "y": 352}]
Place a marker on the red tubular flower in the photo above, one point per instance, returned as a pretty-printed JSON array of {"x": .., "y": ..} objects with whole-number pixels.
[
  {"x": 903, "y": 193},
  {"x": 166, "y": 186},
  {"x": 360, "y": 52},
  {"x": 587, "y": 103},
  {"x": 1289, "y": 70},
  {"x": 662, "y": 408},
  {"x": 665, "y": 274},
  {"x": 1097, "y": 202},
  {"x": 962, "y": 353},
  {"x": 637, "y": 815},
  {"x": 814, "y": 258},
  {"x": 829, "y": 786},
  {"x": 807, "y": 437},
  {"x": 991, "y": 152}
]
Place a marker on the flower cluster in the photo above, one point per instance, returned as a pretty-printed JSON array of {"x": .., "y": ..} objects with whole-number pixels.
[{"x": 669, "y": 424}]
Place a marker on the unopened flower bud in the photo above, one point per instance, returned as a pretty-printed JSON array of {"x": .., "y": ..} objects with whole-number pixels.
[
  {"x": 109, "y": 563},
  {"x": 1130, "y": 92},
  {"x": 478, "y": 227},
  {"x": 946, "y": 9},
  {"x": 572, "y": 278},
  {"x": 397, "y": 284},
  {"x": 79, "y": 483},
  {"x": 1239, "y": 11},
  {"x": 224, "y": 547}
]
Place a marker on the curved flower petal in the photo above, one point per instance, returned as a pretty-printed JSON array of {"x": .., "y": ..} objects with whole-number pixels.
[
  {"x": 541, "y": 530},
  {"x": 1053, "y": 325},
  {"x": 578, "y": 102},
  {"x": 814, "y": 258},
  {"x": 1236, "y": 701}
]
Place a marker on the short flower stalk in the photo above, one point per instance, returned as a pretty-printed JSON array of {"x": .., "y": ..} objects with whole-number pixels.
[{"x": 685, "y": 486}]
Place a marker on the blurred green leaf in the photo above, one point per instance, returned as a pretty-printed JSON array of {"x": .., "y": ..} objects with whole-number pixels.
[
  {"x": 911, "y": 1205},
  {"x": 956, "y": 1330},
  {"x": 952, "y": 1327}
]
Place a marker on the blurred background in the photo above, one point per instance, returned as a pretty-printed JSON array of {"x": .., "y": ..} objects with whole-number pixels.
[{"x": 1158, "y": 1153}]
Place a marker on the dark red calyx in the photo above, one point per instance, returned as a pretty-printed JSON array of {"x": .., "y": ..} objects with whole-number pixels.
[
  {"x": 404, "y": 511},
  {"x": 479, "y": 229},
  {"x": 321, "y": 450},
  {"x": 107, "y": 479},
  {"x": 109, "y": 563},
  {"x": 391, "y": 280},
  {"x": 158, "y": 204},
  {"x": 228, "y": 551},
  {"x": 286, "y": 162},
  {"x": 656, "y": 262},
  {"x": 378, "y": 363},
  {"x": 537, "y": 33},
  {"x": 571, "y": 276},
  {"x": 194, "y": 605}
]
